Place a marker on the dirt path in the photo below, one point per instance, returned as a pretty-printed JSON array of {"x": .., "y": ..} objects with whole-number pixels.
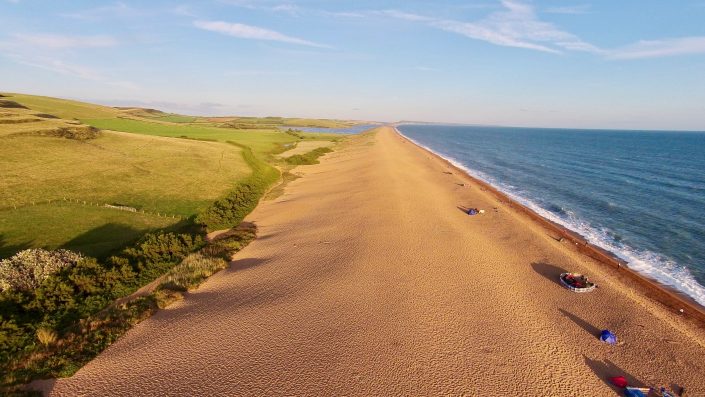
[{"x": 366, "y": 279}]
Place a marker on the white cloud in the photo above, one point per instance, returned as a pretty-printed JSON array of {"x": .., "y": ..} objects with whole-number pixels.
[
  {"x": 56, "y": 41},
  {"x": 259, "y": 72},
  {"x": 252, "y": 32},
  {"x": 48, "y": 60},
  {"x": 118, "y": 9},
  {"x": 343, "y": 14},
  {"x": 265, "y": 5},
  {"x": 660, "y": 48},
  {"x": 59, "y": 66},
  {"x": 573, "y": 10},
  {"x": 516, "y": 25}
]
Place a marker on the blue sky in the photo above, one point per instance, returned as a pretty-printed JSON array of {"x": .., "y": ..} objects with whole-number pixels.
[{"x": 592, "y": 64}]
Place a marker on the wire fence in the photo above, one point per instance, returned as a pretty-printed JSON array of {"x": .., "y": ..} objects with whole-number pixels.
[{"x": 87, "y": 203}]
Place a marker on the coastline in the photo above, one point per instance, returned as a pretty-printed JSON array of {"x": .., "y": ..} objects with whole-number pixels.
[
  {"x": 666, "y": 295},
  {"x": 367, "y": 279}
]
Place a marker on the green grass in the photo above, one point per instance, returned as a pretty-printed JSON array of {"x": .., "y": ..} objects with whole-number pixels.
[
  {"x": 63, "y": 108},
  {"x": 150, "y": 173},
  {"x": 177, "y": 118},
  {"x": 158, "y": 175},
  {"x": 50, "y": 167},
  {"x": 230, "y": 210},
  {"x": 261, "y": 141},
  {"x": 94, "y": 231},
  {"x": 308, "y": 158}
]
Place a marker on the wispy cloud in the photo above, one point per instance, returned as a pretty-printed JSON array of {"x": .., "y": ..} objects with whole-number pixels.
[
  {"x": 574, "y": 10},
  {"x": 422, "y": 68},
  {"x": 192, "y": 108},
  {"x": 516, "y": 25},
  {"x": 343, "y": 14},
  {"x": 56, "y": 41},
  {"x": 47, "y": 52},
  {"x": 118, "y": 9},
  {"x": 265, "y": 5},
  {"x": 261, "y": 72},
  {"x": 660, "y": 48},
  {"x": 69, "y": 69},
  {"x": 252, "y": 32}
]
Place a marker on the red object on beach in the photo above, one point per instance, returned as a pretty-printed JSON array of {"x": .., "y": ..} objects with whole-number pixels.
[{"x": 619, "y": 381}]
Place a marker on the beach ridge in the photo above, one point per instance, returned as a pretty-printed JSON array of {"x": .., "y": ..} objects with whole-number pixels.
[
  {"x": 367, "y": 279},
  {"x": 671, "y": 298}
]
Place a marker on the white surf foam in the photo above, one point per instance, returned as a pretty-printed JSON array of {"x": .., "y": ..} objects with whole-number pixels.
[{"x": 651, "y": 264}]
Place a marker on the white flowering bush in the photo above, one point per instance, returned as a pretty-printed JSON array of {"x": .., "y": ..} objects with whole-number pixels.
[{"x": 27, "y": 269}]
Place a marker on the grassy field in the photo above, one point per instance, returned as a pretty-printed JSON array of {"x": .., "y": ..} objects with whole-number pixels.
[
  {"x": 177, "y": 118},
  {"x": 261, "y": 141},
  {"x": 65, "y": 109},
  {"x": 134, "y": 188},
  {"x": 161, "y": 176},
  {"x": 155, "y": 174},
  {"x": 140, "y": 159},
  {"x": 93, "y": 231}
]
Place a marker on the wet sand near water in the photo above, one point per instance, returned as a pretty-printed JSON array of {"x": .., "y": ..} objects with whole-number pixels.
[{"x": 367, "y": 279}]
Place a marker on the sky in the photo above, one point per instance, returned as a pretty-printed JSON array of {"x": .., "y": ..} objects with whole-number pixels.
[{"x": 631, "y": 64}]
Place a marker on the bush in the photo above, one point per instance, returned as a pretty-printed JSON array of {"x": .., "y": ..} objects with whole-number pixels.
[
  {"x": 156, "y": 253},
  {"x": 192, "y": 271},
  {"x": 308, "y": 158},
  {"x": 46, "y": 336},
  {"x": 27, "y": 269},
  {"x": 229, "y": 211},
  {"x": 70, "y": 301},
  {"x": 295, "y": 133},
  {"x": 4, "y": 103}
]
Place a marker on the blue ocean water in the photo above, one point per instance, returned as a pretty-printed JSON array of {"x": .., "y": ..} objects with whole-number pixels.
[
  {"x": 356, "y": 129},
  {"x": 640, "y": 195}
]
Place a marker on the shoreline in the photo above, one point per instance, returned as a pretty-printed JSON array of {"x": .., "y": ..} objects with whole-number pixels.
[
  {"x": 673, "y": 299},
  {"x": 365, "y": 279}
]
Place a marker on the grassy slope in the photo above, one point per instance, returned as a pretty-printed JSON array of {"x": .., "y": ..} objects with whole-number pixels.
[
  {"x": 92, "y": 230},
  {"x": 63, "y": 108},
  {"x": 261, "y": 141},
  {"x": 176, "y": 176},
  {"x": 159, "y": 175},
  {"x": 150, "y": 171}
]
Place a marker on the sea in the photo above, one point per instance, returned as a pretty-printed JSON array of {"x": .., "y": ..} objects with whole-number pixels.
[
  {"x": 638, "y": 194},
  {"x": 355, "y": 129}
]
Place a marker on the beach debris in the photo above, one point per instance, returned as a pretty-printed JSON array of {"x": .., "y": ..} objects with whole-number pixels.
[
  {"x": 637, "y": 391},
  {"x": 577, "y": 282},
  {"x": 619, "y": 381},
  {"x": 608, "y": 337},
  {"x": 448, "y": 172}
]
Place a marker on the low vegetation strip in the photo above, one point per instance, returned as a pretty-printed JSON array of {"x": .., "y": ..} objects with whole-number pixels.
[
  {"x": 68, "y": 299},
  {"x": 308, "y": 158},
  {"x": 230, "y": 210}
]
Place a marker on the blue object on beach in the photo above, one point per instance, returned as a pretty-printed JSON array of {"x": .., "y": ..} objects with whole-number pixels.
[
  {"x": 633, "y": 392},
  {"x": 472, "y": 211},
  {"x": 608, "y": 337}
]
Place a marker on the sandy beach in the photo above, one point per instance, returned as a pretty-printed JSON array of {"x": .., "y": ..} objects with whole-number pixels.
[{"x": 368, "y": 279}]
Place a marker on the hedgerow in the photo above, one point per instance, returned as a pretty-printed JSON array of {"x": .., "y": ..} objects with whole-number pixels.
[
  {"x": 61, "y": 303},
  {"x": 230, "y": 210},
  {"x": 308, "y": 158}
]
